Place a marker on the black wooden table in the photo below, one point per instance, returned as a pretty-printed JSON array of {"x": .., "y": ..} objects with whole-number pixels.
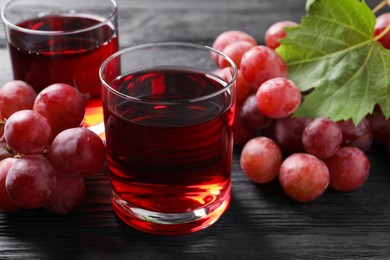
[{"x": 261, "y": 223}]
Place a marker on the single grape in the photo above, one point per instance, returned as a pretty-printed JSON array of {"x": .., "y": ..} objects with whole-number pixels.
[
  {"x": 27, "y": 132},
  {"x": 322, "y": 137},
  {"x": 251, "y": 117},
  {"x": 288, "y": 133},
  {"x": 62, "y": 105},
  {"x": 380, "y": 127},
  {"x": 359, "y": 135},
  {"x": 6, "y": 204},
  {"x": 260, "y": 64},
  {"x": 30, "y": 181},
  {"x": 15, "y": 96},
  {"x": 77, "y": 152},
  {"x": 303, "y": 177},
  {"x": 260, "y": 159},
  {"x": 235, "y": 51},
  {"x": 228, "y": 37},
  {"x": 68, "y": 193},
  {"x": 242, "y": 88},
  {"x": 349, "y": 169},
  {"x": 241, "y": 134},
  {"x": 276, "y": 32},
  {"x": 382, "y": 21},
  {"x": 278, "y": 98}
]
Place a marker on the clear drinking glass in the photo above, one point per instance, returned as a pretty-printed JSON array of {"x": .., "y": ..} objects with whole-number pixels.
[
  {"x": 168, "y": 114},
  {"x": 56, "y": 41}
]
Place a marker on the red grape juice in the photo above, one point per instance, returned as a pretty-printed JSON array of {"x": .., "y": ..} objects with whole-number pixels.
[
  {"x": 73, "y": 58},
  {"x": 170, "y": 162}
]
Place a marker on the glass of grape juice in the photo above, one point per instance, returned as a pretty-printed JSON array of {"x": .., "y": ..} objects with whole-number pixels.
[
  {"x": 61, "y": 41},
  {"x": 168, "y": 114}
]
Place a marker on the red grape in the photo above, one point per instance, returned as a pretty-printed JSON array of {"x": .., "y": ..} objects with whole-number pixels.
[
  {"x": 228, "y": 37},
  {"x": 235, "y": 51},
  {"x": 276, "y": 32},
  {"x": 27, "y": 132},
  {"x": 303, "y": 177},
  {"x": 241, "y": 134},
  {"x": 382, "y": 21},
  {"x": 30, "y": 181},
  {"x": 15, "y": 96},
  {"x": 260, "y": 64},
  {"x": 242, "y": 88},
  {"x": 359, "y": 136},
  {"x": 349, "y": 169},
  {"x": 66, "y": 196},
  {"x": 288, "y": 133},
  {"x": 380, "y": 127},
  {"x": 322, "y": 137},
  {"x": 6, "y": 204},
  {"x": 251, "y": 117},
  {"x": 62, "y": 105},
  {"x": 278, "y": 98},
  {"x": 260, "y": 159},
  {"x": 77, "y": 152}
]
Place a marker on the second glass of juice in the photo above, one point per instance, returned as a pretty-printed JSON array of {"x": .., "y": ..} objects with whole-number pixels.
[
  {"x": 56, "y": 41},
  {"x": 168, "y": 114}
]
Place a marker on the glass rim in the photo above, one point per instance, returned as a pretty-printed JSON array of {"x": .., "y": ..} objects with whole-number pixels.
[
  {"x": 53, "y": 33},
  {"x": 165, "y": 44}
]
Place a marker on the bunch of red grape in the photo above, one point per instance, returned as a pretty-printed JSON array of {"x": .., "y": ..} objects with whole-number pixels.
[
  {"x": 44, "y": 153},
  {"x": 306, "y": 155}
]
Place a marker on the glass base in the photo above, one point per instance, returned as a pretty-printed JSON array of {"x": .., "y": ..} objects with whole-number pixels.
[{"x": 170, "y": 223}]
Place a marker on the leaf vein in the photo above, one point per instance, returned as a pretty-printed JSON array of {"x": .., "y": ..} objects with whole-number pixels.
[
  {"x": 340, "y": 52},
  {"x": 344, "y": 25},
  {"x": 348, "y": 83}
]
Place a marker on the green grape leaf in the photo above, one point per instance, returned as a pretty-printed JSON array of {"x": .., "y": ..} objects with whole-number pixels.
[
  {"x": 334, "y": 56},
  {"x": 308, "y": 4}
]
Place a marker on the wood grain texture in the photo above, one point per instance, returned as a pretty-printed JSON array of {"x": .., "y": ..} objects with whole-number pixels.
[
  {"x": 261, "y": 223},
  {"x": 201, "y": 21}
]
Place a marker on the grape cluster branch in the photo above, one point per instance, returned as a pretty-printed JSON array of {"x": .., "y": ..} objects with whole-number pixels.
[
  {"x": 376, "y": 9},
  {"x": 381, "y": 5}
]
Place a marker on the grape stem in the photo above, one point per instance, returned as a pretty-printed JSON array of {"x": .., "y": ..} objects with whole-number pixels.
[{"x": 381, "y": 5}]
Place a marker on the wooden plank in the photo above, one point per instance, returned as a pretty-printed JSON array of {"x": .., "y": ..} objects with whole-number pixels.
[{"x": 200, "y": 21}]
